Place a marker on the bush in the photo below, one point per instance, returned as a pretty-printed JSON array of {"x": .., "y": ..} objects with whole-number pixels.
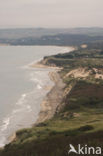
[{"x": 86, "y": 128}]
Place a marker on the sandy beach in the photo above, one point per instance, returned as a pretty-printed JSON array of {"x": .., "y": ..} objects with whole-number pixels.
[{"x": 52, "y": 99}]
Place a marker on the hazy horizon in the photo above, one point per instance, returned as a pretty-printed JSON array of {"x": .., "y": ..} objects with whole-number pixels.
[
  {"x": 1, "y": 28},
  {"x": 51, "y": 14}
]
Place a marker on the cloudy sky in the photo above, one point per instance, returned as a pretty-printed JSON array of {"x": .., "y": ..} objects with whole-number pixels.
[{"x": 51, "y": 13}]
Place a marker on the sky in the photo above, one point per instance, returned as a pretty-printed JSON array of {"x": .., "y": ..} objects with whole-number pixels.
[{"x": 51, "y": 13}]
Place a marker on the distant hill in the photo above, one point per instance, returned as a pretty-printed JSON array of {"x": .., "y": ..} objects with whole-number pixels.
[
  {"x": 44, "y": 36},
  {"x": 38, "y": 32}
]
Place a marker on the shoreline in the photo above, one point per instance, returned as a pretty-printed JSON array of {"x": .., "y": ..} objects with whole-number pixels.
[
  {"x": 50, "y": 102},
  {"x": 52, "y": 99}
]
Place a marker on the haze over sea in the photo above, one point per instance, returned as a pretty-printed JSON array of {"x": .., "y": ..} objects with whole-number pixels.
[{"x": 22, "y": 88}]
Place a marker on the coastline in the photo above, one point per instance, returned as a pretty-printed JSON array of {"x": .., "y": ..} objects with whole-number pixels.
[{"x": 52, "y": 99}]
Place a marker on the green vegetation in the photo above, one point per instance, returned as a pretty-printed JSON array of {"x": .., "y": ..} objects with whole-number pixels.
[{"x": 80, "y": 120}]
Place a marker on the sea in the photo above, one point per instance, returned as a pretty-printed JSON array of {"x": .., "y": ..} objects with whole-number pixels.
[{"x": 22, "y": 88}]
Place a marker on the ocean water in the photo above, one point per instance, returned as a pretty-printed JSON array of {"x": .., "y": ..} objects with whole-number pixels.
[{"x": 22, "y": 88}]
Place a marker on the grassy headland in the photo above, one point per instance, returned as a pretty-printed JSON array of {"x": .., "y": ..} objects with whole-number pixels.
[{"x": 78, "y": 118}]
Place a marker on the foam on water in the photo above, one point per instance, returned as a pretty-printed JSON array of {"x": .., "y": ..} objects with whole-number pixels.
[
  {"x": 3, "y": 127},
  {"x": 21, "y": 100},
  {"x": 21, "y": 107},
  {"x": 39, "y": 86},
  {"x": 2, "y": 141},
  {"x": 5, "y": 124}
]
